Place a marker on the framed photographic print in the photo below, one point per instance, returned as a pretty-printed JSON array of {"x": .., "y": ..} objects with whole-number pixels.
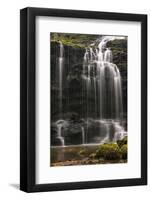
[{"x": 83, "y": 99}]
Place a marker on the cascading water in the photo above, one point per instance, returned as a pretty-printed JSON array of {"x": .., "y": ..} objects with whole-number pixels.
[
  {"x": 59, "y": 136},
  {"x": 61, "y": 65},
  {"x": 103, "y": 77},
  {"x": 83, "y": 135},
  {"x": 60, "y": 125},
  {"x": 102, "y": 96}
]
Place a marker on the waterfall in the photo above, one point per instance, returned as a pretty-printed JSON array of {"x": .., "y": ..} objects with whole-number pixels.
[
  {"x": 61, "y": 63},
  {"x": 60, "y": 124},
  {"x": 102, "y": 84},
  {"x": 107, "y": 130},
  {"x": 119, "y": 132},
  {"x": 83, "y": 135},
  {"x": 108, "y": 55},
  {"x": 59, "y": 134},
  {"x": 103, "y": 77},
  {"x": 102, "y": 104},
  {"x": 95, "y": 96}
]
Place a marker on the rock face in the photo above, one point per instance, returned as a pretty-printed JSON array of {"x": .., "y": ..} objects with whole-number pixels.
[{"x": 72, "y": 82}]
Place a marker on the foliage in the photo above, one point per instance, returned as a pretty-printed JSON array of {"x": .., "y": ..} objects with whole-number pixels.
[
  {"x": 82, "y": 152},
  {"x": 118, "y": 45},
  {"x": 108, "y": 152},
  {"x": 124, "y": 151},
  {"x": 122, "y": 142},
  {"x": 76, "y": 40}
]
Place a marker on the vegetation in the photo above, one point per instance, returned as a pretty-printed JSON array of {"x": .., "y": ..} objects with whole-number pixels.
[
  {"x": 122, "y": 142},
  {"x": 124, "y": 151},
  {"x": 118, "y": 45},
  {"x": 82, "y": 152},
  {"x": 108, "y": 152},
  {"x": 104, "y": 153},
  {"x": 76, "y": 40}
]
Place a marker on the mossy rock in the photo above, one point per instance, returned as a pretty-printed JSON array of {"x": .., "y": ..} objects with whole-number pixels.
[
  {"x": 73, "y": 39},
  {"x": 124, "y": 151},
  {"x": 109, "y": 152},
  {"x": 122, "y": 142}
]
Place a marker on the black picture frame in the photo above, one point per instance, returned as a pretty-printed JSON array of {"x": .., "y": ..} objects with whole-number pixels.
[{"x": 28, "y": 98}]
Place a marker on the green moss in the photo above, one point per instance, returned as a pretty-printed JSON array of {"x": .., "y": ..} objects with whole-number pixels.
[
  {"x": 108, "y": 152},
  {"x": 124, "y": 151},
  {"x": 118, "y": 44},
  {"x": 122, "y": 142},
  {"x": 82, "y": 152},
  {"x": 74, "y": 40}
]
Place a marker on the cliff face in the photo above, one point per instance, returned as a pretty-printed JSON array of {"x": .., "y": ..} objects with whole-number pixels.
[{"x": 72, "y": 81}]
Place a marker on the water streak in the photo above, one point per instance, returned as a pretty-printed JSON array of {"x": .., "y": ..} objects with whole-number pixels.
[
  {"x": 61, "y": 65},
  {"x": 59, "y": 125},
  {"x": 83, "y": 135}
]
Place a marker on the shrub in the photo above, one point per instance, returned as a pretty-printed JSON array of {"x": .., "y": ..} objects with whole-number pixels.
[
  {"x": 122, "y": 142},
  {"x": 82, "y": 152},
  {"x": 108, "y": 152},
  {"x": 124, "y": 151}
]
